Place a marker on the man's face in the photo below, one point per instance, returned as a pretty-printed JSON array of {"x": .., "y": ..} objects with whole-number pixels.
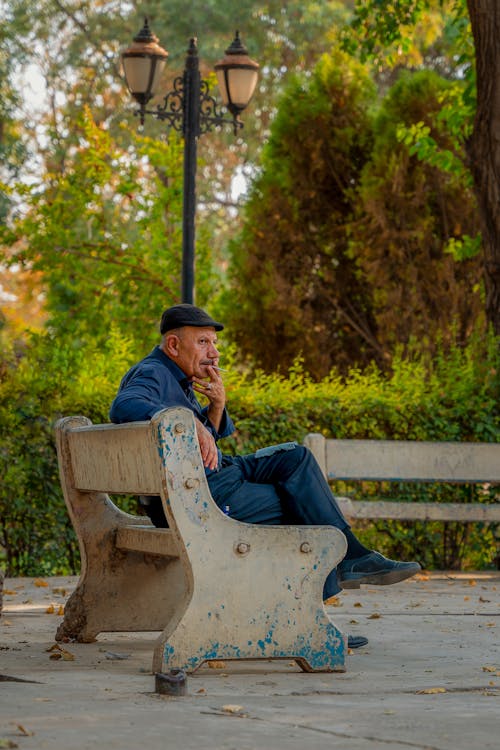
[{"x": 193, "y": 349}]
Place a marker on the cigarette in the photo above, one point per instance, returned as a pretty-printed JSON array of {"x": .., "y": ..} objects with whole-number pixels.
[{"x": 209, "y": 363}]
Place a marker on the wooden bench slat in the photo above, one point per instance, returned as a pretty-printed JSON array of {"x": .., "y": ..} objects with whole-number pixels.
[
  {"x": 405, "y": 511},
  {"x": 147, "y": 539},
  {"x": 394, "y": 460},
  {"x": 119, "y": 459}
]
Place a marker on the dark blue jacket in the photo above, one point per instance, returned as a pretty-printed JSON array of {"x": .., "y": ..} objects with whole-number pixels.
[{"x": 155, "y": 383}]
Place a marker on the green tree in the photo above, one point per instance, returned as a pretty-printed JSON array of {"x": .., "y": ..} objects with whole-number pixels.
[
  {"x": 381, "y": 25},
  {"x": 105, "y": 236},
  {"x": 292, "y": 276},
  {"x": 414, "y": 220}
]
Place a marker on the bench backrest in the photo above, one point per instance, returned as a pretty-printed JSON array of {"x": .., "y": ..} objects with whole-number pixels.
[
  {"x": 410, "y": 461},
  {"x": 119, "y": 459},
  {"x": 406, "y": 460}
]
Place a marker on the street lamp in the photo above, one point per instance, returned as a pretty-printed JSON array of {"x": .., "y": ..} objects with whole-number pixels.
[{"x": 189, "y": 109}]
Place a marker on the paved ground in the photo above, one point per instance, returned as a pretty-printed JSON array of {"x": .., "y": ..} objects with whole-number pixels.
[{"x": 430, "y": 679}]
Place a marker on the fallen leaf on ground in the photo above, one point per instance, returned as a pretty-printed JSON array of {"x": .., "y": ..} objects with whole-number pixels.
[
  {"x": 57, "y": 652},
  {"x": 50, "y": 610},
  {"x": 7, "y": 744},
  {"x": 466, "y": 598},
  {"x": 357, "y": 604},
  {"x": 481, "y": 599},
  {"x": 59, "y": 590},
  {"x": 60, "y": 610},
  {"x": 201, "y": 690},
  {"x": 333, "y": 601},
  {"x": 354, "y": 622},
  {"x": 488, "y": 668},
  {"x": 40, "y": 583},
  {"x": 374, "y": 616},
  {"x": 24, "y": 732},
  {"x": 231, "y": 708},
  {"x": 214, "y": 664},
  {"x": 472, "y": 582},
  {"x": 431, "y": 691},
  {"x": 9, "y": 592}
]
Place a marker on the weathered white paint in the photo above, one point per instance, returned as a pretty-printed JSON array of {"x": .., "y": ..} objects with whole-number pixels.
[
  {"x": 409, "y": 461},
  {"x": 217, "y": 588}
]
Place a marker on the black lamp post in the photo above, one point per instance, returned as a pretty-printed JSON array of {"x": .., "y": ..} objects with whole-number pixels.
[{"x": 189, "y": 109}]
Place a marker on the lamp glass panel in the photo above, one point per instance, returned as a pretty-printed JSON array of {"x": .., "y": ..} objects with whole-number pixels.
[
  {"x": 137, "y": 72},
  {"x": 221, "y": 79},
  {"x": 160, "y": 66},
  {"x": 241, "y": 83}
]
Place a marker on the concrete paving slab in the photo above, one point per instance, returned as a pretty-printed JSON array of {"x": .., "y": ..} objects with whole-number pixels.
[{"x": 429, "y": 679}]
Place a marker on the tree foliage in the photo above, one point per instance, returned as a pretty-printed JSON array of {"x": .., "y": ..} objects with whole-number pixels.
[
  {"x": 360, "y": 253},
  {"x": 413, "y": 217},
  {"x": 105, "y": 236},
  {"x": 452, "y": 397},
  {"x": 295, "y": 281}
]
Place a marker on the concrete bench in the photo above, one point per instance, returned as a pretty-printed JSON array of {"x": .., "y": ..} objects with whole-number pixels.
[
  {"x": 410, "y": 461},
  {"x": 215, "y": 588}
]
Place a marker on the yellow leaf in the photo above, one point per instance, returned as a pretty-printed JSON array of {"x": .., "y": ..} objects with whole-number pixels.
[
  {"x": 9, "y": 592},
  {"x": 231, "y": 708},
  {"x": 333, "y": 601},
  {"x": 60, "y": 610},
  {"x": 214, "y": 664},
  {"x": 50, "y": 610},
  {"x": 431, "y": 691},
  {"x": 7, "y": 744},
  {"x": 466, "y": 598},
  {"x": 24, "y": 732},
  {"x": 40, "y": 583},
  {"x": 58, "y": 652},
  {"x": 472, "y": 582},
  {"x": 490, "y": 669}
]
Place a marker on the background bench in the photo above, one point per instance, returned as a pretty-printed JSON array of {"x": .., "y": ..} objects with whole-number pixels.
[
  {"x": 215, "y": 588},
  {"x": 410, "y": 461}
]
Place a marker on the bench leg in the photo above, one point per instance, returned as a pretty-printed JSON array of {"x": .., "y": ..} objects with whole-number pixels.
[
  {"x": 266, "y": 604},
  {"x": 307, "y": 637}
]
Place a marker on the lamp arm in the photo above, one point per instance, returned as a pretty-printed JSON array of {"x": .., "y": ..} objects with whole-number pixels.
[{"x": 172, "y": 109}]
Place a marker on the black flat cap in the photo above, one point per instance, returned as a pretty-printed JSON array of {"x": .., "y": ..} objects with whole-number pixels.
[{"x": 187, "y": 315}]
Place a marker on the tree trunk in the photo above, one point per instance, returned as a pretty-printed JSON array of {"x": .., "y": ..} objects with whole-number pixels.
[{"x": 484, "y": 144}]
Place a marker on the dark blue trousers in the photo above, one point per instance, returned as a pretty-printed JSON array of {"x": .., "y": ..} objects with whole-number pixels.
[{"x": 282, "y": 484}]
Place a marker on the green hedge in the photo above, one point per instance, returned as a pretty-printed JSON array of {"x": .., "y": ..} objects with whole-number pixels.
[{"x": 454, "y": 397}]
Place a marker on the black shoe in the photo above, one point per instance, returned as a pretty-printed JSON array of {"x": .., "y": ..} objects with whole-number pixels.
[
  {"x": 374, "y": 569},
  {"x": 356, "y": 641}
]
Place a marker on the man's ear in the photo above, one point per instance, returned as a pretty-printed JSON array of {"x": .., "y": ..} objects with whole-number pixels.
[{"x": 171, "y": 345}]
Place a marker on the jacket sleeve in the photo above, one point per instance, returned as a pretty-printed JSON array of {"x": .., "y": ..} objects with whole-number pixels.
[{"x": 142, "y": 393}]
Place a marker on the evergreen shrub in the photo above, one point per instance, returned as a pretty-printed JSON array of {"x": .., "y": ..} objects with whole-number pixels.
[{"x": 452, "y": 397}]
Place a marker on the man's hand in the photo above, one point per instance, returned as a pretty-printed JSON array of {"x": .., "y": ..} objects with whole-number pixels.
[
  {"x": 215, "y": 392},
  {"x": 208, "y": 447}
]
